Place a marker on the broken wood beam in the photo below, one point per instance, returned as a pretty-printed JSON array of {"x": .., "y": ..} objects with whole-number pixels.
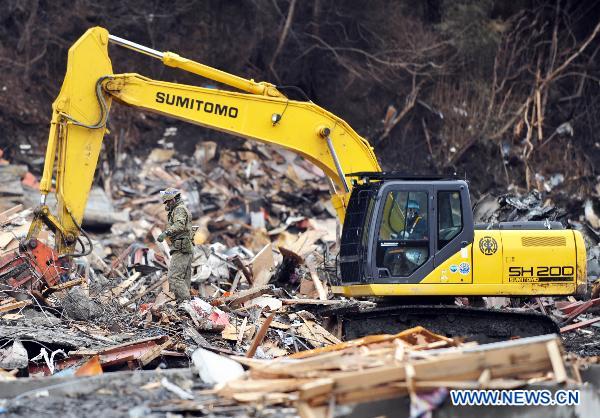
[
  {"x": 261, "y": 266},
  {"x": 237, "y": 299},
  {"x": 7, "y": 307},
  {"x": 148, "y": 356},
  {"x": 309, "y": 302},
  {"x": 260, "y": 335},
  {"x": 318, "y": 284},
  {"x": 6, "y": 215},
  {"x": 63, "y": 286}
]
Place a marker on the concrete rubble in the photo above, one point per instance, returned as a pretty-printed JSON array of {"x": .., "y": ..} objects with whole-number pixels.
[{"x": 251, "y": 338}]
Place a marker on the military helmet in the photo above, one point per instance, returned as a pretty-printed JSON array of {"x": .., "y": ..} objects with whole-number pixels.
[{"x": 169, "y": 194}]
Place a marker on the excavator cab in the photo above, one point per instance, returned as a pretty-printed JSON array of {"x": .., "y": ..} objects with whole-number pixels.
[
  {"x": 398, "y": 229},
  {"x": 413, "y": 238}
]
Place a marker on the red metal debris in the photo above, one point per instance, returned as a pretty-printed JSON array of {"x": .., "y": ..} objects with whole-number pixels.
[
  {"x": 568, "y": 307},
  {"x": 575, "y": 311},
  {"x": 91, "y": 367},
  {"x": 123, "y": 353},
  {"x": 36, "y": 266},
  {"x": 579, "y": 325},
  {"x": 127, "y": 353}
]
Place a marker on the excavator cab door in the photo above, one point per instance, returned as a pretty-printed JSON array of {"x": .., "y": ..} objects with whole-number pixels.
[
  {"x": 418, "y": 226},
  {"x": 403, "y": 251}
]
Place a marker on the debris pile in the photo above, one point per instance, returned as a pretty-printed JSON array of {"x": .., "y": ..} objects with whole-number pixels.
[
  {"x": 252, "y": 196},
  {"x": 514, "y": 208},
  {"x": 261, "y": 264},
  {"x": 339, "y": 380},
  {"x": 414, "y": 362},
  {"x": 261, "y": 271}
]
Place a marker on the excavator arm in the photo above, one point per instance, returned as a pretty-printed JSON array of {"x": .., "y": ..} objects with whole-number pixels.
[{"x": 261, "y": 112}]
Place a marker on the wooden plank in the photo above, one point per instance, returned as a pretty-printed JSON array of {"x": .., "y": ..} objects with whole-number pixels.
[
  {"x": 261, "y": 266},
  {"x": 4, "y": 216},
  {"x": 7, "y": 300},
  {"x": 154, "y": 352},
  {"x": 284, "y": 366},
  {"x": 362, "y": 379},
  {"x": 315, "y": 388},
  {"x": 558, "y": 365},
  {"x": 13, "y": 234},
  {"x": 278, "y": 325},
  {"x": 314, "y": 333},
  {"x": 240, "y": 336},
  {"x": 578, "y": 310},
  {"x": 503, "y": 359},
  {"x": 309, "y": 302},
  {"x": 15, "y": 305},
  {"x": 238, "y": 298},
  {"x": 305, "y": 243},
  {"x": 260, "y": 335},
  {"x": 264, "y": 398},
  {"x": 261, "y": 385},
  {"x": 318, "y": 284},
  {"x": 5, "y": 239},
  {"x": 568, "y": 307},
  {"x": 305, "y": 410},
  {"x": 375, "y": 394},
  {"x": 63, "y": 286}
]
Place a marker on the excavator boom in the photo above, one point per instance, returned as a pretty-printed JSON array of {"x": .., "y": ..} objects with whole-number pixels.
[{"x": 261, "y": 113}]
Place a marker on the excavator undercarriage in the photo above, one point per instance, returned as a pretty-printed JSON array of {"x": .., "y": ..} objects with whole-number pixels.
[{"x": 473, "y": 324}]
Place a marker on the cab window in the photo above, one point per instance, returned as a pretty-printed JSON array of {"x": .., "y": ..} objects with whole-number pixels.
[
  {"x": 450, "y": 221},
  {"x": 403, "y": 239}
]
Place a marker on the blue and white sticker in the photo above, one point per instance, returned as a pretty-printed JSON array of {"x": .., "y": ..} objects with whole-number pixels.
[
  {"x": 464, "y": 268},
  {"x": 453, "y": 268}
]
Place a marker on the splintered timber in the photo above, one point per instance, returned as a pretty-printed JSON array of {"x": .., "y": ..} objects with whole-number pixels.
[{"x": 200, "y": 105}]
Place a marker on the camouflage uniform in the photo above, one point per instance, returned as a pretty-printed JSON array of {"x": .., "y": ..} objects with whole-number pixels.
[{"x": 179, "y": 231}]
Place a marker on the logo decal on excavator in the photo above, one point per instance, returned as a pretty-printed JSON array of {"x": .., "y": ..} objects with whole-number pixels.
[
  {"x": 488, "y": 245},
  {"x": 542, "y": 274},
  {"x": 195, "y": 104},
  {"x": 464, "y": 268}
]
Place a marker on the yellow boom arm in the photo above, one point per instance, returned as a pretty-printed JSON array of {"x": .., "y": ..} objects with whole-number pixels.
[{"x": 262, "y": 113}]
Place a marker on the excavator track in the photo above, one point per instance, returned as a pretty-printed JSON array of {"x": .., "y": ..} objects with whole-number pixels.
[{"x": 472, "y": 324}]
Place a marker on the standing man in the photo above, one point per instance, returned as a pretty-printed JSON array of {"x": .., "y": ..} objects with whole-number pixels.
[{"x": 179, "y": 232}]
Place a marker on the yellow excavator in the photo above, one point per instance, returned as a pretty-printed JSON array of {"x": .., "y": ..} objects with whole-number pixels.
[{"x": 403, "y": 237}]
